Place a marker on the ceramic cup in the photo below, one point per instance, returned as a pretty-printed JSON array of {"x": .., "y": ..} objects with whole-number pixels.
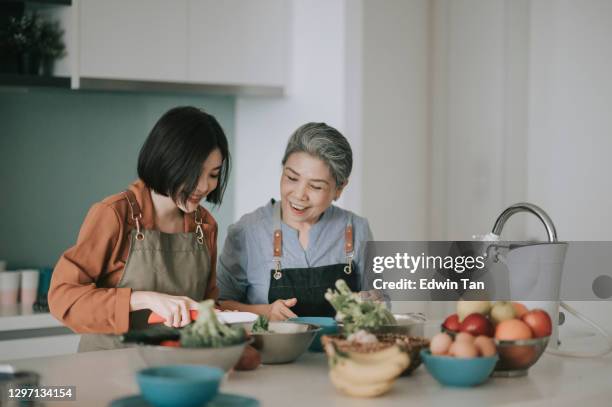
[
  {"x": 29, "y": 287},
  {"x": 9, "y": 287}
]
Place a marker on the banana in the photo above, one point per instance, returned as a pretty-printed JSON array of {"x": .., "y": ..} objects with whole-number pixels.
[
  {"x": 367, "y": 373},
  {"x": 359, "y": 390}
]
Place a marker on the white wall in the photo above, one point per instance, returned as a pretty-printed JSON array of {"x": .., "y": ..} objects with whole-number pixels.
[
  {"x": 570, "y": 123},
  {"x": 395, "y": 117},
  {"x": 520, "y": 111},
  {"x": 455, "y": 109},
  {"x": 316, "y": 93}
]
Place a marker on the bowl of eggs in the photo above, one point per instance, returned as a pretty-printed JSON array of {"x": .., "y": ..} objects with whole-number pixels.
[{"x": 464, "y": 361}]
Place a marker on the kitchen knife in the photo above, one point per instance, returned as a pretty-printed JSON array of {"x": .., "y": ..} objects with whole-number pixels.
[{"x": 158, "y": 319}]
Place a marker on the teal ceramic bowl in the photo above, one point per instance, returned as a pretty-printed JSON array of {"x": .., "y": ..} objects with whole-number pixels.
[
  {"x": 459, "y": 372},
  {"x": 179, "y": 385},
  {"x": 328, "y": 327}
]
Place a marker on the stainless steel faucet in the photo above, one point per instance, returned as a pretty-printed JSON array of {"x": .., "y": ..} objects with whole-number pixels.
[{"x": 526, "y": 207}]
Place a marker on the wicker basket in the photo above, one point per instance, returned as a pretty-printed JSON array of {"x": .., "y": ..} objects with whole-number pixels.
[{"x": 410, "y": 344}]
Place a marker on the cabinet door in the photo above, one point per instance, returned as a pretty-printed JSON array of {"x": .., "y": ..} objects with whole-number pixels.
[
  {"x": 133, "y": 39},
  {"x": 238, "y": 42}
]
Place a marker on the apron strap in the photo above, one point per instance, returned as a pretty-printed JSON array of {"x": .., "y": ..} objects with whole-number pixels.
[
  {"x": 199, "y": 233},
  {"x": 277, "y": 241},
  {"x": 349, "y": 245},
  {"x": 135, "y": 212}
]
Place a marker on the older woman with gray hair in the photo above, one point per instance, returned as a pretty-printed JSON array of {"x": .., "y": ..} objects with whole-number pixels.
[{"x": 279, "y": 260}]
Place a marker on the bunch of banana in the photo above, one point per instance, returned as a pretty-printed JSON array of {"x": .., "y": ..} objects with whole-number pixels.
[{"x": 366, "y": 374}]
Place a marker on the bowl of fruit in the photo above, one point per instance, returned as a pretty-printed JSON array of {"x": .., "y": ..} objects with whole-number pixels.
[
  {"x": 462, "y": 361},
  {"x": 520, "y": 335}
]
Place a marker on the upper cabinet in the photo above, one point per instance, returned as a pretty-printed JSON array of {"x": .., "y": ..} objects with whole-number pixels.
[
  {"x": 237, "y": 46},
  {"x": 238, "y": 42},
  {"x": 133, "y": 39}
]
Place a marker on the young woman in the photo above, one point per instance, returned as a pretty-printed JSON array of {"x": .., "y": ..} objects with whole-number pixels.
[
  {"x": 280, "y": 259},
  {"x": 151, "y": 247}
]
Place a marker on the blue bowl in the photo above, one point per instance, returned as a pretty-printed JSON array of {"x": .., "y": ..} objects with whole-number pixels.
[
  {"x": 459, "y": 372},
  {"x": 328, "y": 327},
  {"x": 179, "y": 385}
]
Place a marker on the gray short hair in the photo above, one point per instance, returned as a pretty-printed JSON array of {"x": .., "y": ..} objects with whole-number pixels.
[{"x": 326, "y": 143}]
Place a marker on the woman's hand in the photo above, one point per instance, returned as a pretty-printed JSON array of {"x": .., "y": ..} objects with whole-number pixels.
[
  {"x": 279, "y": 310},
  {"x": 174, "y": 309}
]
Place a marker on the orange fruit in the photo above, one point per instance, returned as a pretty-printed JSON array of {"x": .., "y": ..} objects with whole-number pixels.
[{"x": 512, "y": 329}]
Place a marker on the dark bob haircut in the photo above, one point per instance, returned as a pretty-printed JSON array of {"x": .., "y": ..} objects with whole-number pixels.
[{"x": 171, "y": 159}]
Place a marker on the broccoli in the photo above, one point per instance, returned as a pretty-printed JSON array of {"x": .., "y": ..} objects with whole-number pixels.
[
  {"x": 355, "y": 313},
  {"x": 260, "y": 326},
  {"x": 208, "y": 332}
]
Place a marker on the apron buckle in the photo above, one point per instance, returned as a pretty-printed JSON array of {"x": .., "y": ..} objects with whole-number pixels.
[
  {"x": 277, "y": 273},
  {"x": 348, "y": 269},
  {"x": 139, "y": 234},
  {"x": 199, "y": 232}
]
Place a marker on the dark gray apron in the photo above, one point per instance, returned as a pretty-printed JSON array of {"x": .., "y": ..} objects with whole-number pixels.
[
  {"x": 174, "y": 264},
  {"x": 309, "y": 284}
]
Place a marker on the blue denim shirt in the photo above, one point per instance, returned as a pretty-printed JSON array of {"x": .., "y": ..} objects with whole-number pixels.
[{"x": 243, "y": 269}]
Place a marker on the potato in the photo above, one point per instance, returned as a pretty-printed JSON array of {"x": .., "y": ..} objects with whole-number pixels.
[{"x": 249, "y": 360}]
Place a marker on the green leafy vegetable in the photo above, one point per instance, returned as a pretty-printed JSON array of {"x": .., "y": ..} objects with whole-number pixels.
[
  {"x": 356, "y": 313},
  {"x": 208, "y": 332},
  {"x": 261, "y": 325}
]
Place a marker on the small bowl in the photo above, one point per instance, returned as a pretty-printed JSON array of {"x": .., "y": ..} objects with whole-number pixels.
[
  {"x": 179, "y": 385},
  {"x": 225, "y": 357},
  {"x": 459, "y": 372},
  {"x": 516, "y": 357},
  {"x": 328, "y": 327},
  {"x": 286, "y": 342}
]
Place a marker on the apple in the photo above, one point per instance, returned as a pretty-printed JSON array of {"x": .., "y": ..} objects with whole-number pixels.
[
  {"x": 465, "y": 308},
  {"x": 501, "y": 311},
  {"x": 539, "y": 321},
  {"x": 451, "y": 323},
  {"x": 520, "y": 309},
  {"x": 477, "y": 324}
]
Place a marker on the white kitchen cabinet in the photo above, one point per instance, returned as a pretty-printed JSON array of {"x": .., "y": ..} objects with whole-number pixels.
[
  {"x": 133, "y": 39},
  {"x": 240, "y": 42},
  {"x": 28, "y": 334},
  {"x": 181, "y": 45}
]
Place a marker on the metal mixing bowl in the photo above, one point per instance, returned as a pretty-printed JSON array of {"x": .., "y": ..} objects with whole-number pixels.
[
  {"x": 224, "y": 358},
  {"x": 515, "y": 357},
  {"x": 286, "y": 341}
]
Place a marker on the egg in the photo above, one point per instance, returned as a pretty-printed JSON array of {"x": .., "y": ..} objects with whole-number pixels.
[
  {"x": 463, "y": 350},
  {"x": 464, "y": 337},
  {"x": 485, "y": 345},
  {"x": 440, "y": 344},
  {"x": 512, "y": 329}
]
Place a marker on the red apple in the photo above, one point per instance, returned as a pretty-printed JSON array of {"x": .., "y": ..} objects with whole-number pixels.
[
  {"x": 539, "y": 322},
  {"x": 477, "y": 324},
  {"x": 452, "y": 323}
]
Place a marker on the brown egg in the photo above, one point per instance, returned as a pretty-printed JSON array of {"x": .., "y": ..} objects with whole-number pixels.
[
  {"x": 463, "y": 350},
  {"x": 464, "y": 337},
  {"x": 485, "y": 345},
  {"x": 440, "y": 344}
]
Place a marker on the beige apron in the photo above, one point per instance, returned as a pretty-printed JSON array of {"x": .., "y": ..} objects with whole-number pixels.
[{"x": 174, "y": 264}]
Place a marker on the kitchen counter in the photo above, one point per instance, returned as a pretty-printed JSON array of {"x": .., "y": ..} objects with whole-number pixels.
[
  {"x": 28, "y": 334},
  {"x": 16, "y": 318},
  {"x": 100, "y": 377}
]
